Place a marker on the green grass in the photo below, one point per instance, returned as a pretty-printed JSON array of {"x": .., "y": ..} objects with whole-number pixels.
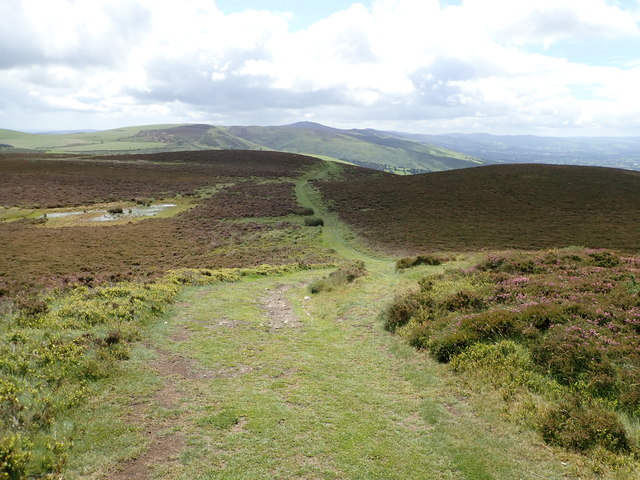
[{"x": 333, "y": 398}]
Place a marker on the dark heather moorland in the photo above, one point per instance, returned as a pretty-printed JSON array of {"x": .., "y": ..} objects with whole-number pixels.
[{"x": 494, "y": 207}]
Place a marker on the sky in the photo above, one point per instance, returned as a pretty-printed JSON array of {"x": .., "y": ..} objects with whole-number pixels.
[{"x": 540, "y": 67}]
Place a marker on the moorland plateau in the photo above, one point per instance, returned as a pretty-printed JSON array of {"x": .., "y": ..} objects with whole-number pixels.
[{"x": 254, "y": 314}]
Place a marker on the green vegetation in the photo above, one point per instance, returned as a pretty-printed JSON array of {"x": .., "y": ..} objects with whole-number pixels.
[
  {"x": 555, "y": 332},
  {"x": 55, "y": 351},
  {"x": 313, "y": 222},
  {"x": 340, "y": 278},
  {"x": 367, "y": 148},
  {"x": 426, "y": 259}
]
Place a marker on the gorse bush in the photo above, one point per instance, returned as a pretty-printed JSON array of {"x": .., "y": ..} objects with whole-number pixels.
[{"x": 555, "y": 321}]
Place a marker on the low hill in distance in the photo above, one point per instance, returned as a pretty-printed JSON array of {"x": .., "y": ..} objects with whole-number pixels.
[
  {"x": 368, "y": 148},
  {"x": 494, "y": 207},
  {"x": 396, "y": 152}
]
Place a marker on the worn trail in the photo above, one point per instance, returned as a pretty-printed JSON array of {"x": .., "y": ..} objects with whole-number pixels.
[{"x": 264, "y": 381}]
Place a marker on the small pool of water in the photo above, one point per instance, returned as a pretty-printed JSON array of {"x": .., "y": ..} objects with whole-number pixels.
[
  {"x": 104, "y": 216},
  {"x": 138, "y": 211}
]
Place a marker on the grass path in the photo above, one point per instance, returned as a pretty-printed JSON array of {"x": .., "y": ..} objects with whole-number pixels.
[
  {"x": 259, "y": 380},
  {"x": 325, "y": 395}
]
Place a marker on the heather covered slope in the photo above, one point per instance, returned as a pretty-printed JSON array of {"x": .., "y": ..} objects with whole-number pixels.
[
  {"x": 495, "y": 207},
  {"x": 220, "y": 197}
]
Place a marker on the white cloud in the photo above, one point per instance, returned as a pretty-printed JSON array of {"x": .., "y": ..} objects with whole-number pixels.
[
  {"x": 401, "y": 64},
  {"x": 547, "y": 21}
]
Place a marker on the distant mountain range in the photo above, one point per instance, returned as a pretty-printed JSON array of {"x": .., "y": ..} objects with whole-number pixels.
[{"x": 396, "y": 152}]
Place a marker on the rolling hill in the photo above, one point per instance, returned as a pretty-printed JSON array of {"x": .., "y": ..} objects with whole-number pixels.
[
  {"x": 369, "y": 148},
  {"x": 524, "y": 206}
]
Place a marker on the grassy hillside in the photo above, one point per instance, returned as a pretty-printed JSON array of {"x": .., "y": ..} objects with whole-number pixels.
[
  {"x": 363, "y": 147},
  {"x": 495, "y": 207},
  {"x": 369, "y": 148}
]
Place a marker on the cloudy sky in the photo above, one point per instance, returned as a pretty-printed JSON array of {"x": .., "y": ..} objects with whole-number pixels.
[{"x": 545, "y": 67}]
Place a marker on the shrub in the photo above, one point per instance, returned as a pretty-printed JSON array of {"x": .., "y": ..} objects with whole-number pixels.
[
  {"x": 445, "y": 347},
  {"x": 462, "y": 301},
  {"x": 313, "y": 222},
  {"x": 553, "y": 324},
  {"x": 13, "y": 459},
  {"x": 541, "y": 316},
  {"x": 305, "y": 211},
  {"x": 502, "y": 364},
  {"x": 570, "y": 357},
  {"x": 340, "y": 277},
  {"x": 604, "y": 259},
  {"x": 419, "y": 336},
  {"x": 408, "y": 262},
  {"x": 31, "y": 305},
  {"x": 403, "y": 307},
  {"x": 629, "y": 383},
  {"x": 581, "y": 425}
]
